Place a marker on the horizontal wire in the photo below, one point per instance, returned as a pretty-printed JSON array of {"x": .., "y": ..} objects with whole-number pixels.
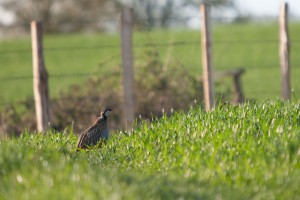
[
  {"x": 250, "y": 94},
  {"x": 14, "y": 78},
  {"x": 66, "y": 75},
  {"x": 161, "y": 44}
]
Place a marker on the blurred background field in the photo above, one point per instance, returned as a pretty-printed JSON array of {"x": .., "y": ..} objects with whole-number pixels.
[{"x": 71, "y": 58}]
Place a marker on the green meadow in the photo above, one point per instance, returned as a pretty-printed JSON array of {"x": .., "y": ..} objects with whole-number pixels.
[
  {"x": 73, "y": 58},
  {"x": 251, "y": 151}
]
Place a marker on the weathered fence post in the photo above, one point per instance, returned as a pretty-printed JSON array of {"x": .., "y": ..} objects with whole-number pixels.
[
  {"x": 284, "y": 51},
  {"x": 237, "y": 87},
  {"x": 40, "y": 78},
  {"x": 127, "y": 56},
  {"x": 208, "y": 83}
]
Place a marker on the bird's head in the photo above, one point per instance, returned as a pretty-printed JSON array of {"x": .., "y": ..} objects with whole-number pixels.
[{"x": 105, "y": 112}]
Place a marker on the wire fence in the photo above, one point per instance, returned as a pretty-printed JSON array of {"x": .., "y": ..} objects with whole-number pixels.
[{"x": 232, "y": 43}]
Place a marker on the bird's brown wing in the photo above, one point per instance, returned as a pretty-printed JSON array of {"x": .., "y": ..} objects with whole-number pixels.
[
  {"x": 91, "y": 136},
  {"x": 86, "y": 138}
]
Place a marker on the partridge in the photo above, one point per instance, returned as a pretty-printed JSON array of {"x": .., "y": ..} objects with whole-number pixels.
[{"x": 97, "y": 133}]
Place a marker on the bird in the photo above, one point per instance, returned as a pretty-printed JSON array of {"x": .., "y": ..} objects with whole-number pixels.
[{"x": 96, "y": 133}]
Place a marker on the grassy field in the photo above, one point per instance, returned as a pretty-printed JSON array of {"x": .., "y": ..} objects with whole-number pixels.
[
  {"x": 247, "y": 152},
  {"x": 72, "y": 58}
]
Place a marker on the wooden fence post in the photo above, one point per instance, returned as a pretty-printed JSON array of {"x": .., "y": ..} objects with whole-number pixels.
[
  {"x": 284, "y": 51},
  {"x": 40, "y": 78},
  {"x": 237, "y": 87},
  {"x": 128, "y": 72},
  {"x": 208, "y": 83}
]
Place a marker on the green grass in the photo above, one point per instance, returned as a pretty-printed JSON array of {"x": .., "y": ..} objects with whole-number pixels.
[
  {"x": 251, "y": 151},
  {"x": 251, "y": 46}
]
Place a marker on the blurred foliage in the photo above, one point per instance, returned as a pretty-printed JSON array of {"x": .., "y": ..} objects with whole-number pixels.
[{"x": 160, "y": 86}]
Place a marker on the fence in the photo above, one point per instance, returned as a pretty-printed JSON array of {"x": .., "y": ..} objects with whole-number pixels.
[{"x": 128, "y": 64}]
